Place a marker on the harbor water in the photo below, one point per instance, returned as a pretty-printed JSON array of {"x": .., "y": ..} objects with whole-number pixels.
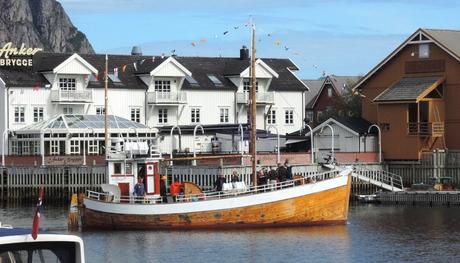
[{"x": 374, "y": 233}]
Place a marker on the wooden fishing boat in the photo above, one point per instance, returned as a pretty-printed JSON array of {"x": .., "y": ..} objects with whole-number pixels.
[{"x": 321, "y": 199}]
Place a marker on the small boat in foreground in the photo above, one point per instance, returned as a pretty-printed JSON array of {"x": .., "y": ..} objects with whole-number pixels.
[{"x": 17, "y": 245}]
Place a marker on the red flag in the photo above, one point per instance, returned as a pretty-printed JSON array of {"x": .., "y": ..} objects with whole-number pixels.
[
  {"x": 96, "y": 76},
  {"x": 37, "y": 216}
]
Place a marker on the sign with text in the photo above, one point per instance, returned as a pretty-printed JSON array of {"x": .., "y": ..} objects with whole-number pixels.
[
  {"x": 11, "y": 56},
  {"x": 64, "y": 160}
]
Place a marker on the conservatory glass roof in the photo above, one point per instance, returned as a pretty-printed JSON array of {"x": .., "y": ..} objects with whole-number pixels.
[{"x": 73, "y": 121}]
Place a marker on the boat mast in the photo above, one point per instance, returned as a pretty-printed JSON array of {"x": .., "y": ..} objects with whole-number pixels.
[
  {"x": 253, "y": 106},
  {"x": 106, "y": 105}
]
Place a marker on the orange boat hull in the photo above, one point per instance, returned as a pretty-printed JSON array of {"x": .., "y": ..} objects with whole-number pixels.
[{"x": 322, "y": 208}]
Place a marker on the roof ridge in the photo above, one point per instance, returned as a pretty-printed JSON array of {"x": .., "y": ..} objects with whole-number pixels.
[{"x": 436, "y": 29}]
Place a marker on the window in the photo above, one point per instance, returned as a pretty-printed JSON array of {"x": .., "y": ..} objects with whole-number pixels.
[
  {"x": 247, "y": 86},
  {"x": 162, "y": 115},
  {"x": 19, "y": 114},
  {"x": 136, "y": 114},
  {"x": 271, "y": 117},
  {"x": 67, "y": 110},
  {"x": 424, "y": 50},
  {"x": 117, "y": 168},
  {"x": 100, "y": 110},
  {"x": 128, "y": 168},
  {"x": 309, "y": 116},
  {"x": 66, "y": 84},
  {"x": 35, "y": 147},
  {"x": 163, "y": 85},
  {"x": 25, "y": 148},
  {"x": 329, "y": 92},
  {"x": 215, "y": 80},
  {"x": 54, "y": 147},
  {"x": 289, "y": 116},
  {"x": 195, "y": 115},
  {"x": 14, "y": 147},
  {"x": 38, "y": 114},
  {"x": 223, "y": 113},
  {"x": 93, "y": 147},
  {"x": 74, "y": 147},
  {"x": 318, "y": 115}
]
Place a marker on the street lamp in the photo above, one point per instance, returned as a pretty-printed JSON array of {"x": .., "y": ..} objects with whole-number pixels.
[
  {"x": 5, "y": 135},
  {"x": 332, "y": 131},
  {"x": 170, "y": 136},
  {"x": 311, "y": 143},
  {"x": 278, "y": 141},
  {"x": 380, "y": 140},
  {"x": 194, "y": 146}
]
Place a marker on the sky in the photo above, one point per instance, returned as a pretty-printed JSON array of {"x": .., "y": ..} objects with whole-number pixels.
[{"x": 346, "y": 38}]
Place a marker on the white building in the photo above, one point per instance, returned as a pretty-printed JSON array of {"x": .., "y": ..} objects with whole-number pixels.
[{"x": 154, "y": 91}]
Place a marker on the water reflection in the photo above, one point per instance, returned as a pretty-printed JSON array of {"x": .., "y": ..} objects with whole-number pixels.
[{"x": 373, "y": 234}]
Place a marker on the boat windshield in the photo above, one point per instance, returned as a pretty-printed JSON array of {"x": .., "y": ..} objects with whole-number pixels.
[{"x": 39, "y": 252}]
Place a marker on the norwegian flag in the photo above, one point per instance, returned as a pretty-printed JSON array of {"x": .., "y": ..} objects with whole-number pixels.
[{"x": 36, "y": 223}]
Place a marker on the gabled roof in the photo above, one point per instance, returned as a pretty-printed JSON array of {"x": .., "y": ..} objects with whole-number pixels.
[
  {"x": 246, "y": 72},
  {"x": 410, "y": 89},
  {"x": 355, "y": 125},
  {"x": 75, "y": 56},
  {"x": 448, "y": 40},
  {"x": 339, "y": 83},
  {"x": 173, "y": 61}
]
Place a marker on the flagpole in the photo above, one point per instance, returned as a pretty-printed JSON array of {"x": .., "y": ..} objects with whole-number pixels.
[
  {"x": 106, "y": 102},
  {"x": 253, "y": 106}
]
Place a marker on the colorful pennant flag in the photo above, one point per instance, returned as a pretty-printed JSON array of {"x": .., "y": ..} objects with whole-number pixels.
[
  {"x": 193, "y": 44},
  {"x": 115, "y": 72},
  {"x": 124, "y": 68},
  {"x": 225, "y": 32}
]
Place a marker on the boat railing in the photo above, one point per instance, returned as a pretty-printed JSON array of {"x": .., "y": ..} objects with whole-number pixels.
[
  {"x": 249, "y": 190},
  {"x": 211, "y": 195}
]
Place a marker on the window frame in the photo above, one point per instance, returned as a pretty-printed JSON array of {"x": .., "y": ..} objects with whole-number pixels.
[
  {"x": 38, "y": 113},
  {"x": 19, "y": 114},
  {"x": 289, "y": 116},
  {"x": 67, "y": 84},
  {"x": 224, "y": 115},
  {"x": 271, "y": 116},
  {"x": 162, "y": 85},
  {"x": 135, "y": 114},
  {"x": 163, "y": 115},
  {"x": 195, "y": 115}
]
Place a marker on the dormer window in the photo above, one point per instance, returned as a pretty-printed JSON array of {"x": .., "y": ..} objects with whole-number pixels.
[
  {"x": 424, "y": 50},
  {"x": 247, "y": 86},
  {"x": 67, "y": 83},
  {"x": 215, "y": 80},
  {"x": 163, "y": 85}
]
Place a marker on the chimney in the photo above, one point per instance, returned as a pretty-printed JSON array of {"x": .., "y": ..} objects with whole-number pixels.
[
  {"x": 136, "y": 51},
  {"x": 244, "y": 53}
]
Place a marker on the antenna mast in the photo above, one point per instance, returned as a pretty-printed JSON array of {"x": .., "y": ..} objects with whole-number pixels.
[
  {"x": 253, "y": 105},
  {"x": 106, "y": 102}
]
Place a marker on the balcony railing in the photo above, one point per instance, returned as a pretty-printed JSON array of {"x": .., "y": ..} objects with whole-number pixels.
[
  {"x": 261, "y": 97},
  {"x": 158, "y": 97},
  {"x": 434, "y": 129},
  {"x": 71, "y": 96}
]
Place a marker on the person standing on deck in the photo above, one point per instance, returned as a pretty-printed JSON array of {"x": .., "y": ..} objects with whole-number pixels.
[
  {"x": 174, "y": 189},
  {"x": 289, "y": 169},
  {"x": 163, "y": 189},
  {"x": 219, "y": 183},
  {"x": 235, "y": 177},
  {"x": 282, "y": 173},
  {"x": 139, "y": 189}
]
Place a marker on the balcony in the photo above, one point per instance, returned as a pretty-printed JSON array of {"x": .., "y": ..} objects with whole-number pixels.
[
  {"x": 72, "y": 96},
  {"x": 166, "y": 98},
  {"x": 261, "y": 97},
  {"x": 426, "y": 129}
]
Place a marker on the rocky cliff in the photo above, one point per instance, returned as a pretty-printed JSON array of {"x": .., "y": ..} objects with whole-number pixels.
[{"x": 40, "y": 23}]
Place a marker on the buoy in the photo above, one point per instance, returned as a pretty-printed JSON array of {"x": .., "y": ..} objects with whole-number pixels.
[{"x": 72, "y": 222}]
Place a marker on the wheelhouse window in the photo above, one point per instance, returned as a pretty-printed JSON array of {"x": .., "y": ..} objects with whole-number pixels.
[
  {"x": 162, "y": 115},
  {"x": 271, "y": 117},
  {"x": 38, "y": 114},
  {"x": 223, "y": 115},
  {"x": 19, "y": 114},
  {"x": 66, "y": 84},
  {"x": 195, "y": 115},
  {"x": 136, "y": 114}
]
